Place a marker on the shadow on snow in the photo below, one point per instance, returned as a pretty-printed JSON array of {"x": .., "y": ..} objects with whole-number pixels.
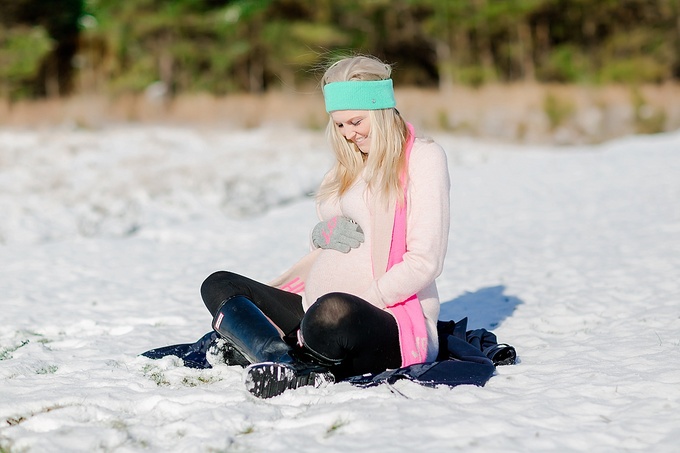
[{"x": 485, "y": 308}]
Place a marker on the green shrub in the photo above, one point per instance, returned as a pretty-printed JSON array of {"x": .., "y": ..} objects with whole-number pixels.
[
  {"x": 566, "y": 64},
  {"x": 474, "y": 76},
  {"x": 22, "y": 51},
  {"x": 648, "y": 120},
  {"x": 557, "y": 110},
  {"x": 636, "y": 70}
]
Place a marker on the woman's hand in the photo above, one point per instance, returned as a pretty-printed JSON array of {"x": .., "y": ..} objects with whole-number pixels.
[{"x": 339, "y": 233}]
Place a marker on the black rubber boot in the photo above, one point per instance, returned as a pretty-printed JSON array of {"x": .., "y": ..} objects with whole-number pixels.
[
  {"x": 273, "y": 370},
  {"x": 222, "y": 351},
  {"x": 501, "y": 354}
]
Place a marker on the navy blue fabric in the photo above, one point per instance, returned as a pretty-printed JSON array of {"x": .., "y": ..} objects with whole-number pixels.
[
  {"x": 447, "y": 372},
  {"x": 192, "y": 354},
  {"x": 461, "y": 359}
]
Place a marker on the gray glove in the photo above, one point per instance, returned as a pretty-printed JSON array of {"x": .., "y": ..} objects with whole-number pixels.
[{"x": 338, "y": 233}]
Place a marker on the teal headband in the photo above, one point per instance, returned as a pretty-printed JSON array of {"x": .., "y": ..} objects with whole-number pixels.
[{"x": 359, "y": 95}]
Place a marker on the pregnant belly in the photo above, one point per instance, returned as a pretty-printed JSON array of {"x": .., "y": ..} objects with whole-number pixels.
[{"x": 334, "y": 271}]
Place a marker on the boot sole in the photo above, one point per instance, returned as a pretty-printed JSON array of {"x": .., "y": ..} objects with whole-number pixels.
[
  {"x": 269, "y": 379},
  {"x": 501, "y": 354}
]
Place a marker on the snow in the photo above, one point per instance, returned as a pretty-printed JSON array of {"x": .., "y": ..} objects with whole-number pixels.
[{"x": 570, "y": 254}]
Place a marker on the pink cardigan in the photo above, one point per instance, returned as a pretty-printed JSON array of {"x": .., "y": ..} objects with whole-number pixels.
[{"x": 407, "y": 252}]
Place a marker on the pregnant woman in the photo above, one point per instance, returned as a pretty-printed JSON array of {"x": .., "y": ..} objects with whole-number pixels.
[{"x": 364, "y": 299}]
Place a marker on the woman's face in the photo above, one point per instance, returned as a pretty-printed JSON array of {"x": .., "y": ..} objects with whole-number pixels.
[{"x": 355, "y": 126}]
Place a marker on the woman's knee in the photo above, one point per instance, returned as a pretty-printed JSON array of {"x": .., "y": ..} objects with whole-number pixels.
[
  {"x": 215, "y": 289},
  {"x": 213, "y": 279},
  {"x": 322, "y": 327},
  {"x": 331, "y": 310}
]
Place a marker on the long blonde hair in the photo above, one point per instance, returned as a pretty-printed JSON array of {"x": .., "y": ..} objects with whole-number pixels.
[{"x": 388, "y": 134}]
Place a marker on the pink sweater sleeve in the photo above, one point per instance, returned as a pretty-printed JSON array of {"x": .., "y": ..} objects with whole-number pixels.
[{"x": 427, "y": 229}]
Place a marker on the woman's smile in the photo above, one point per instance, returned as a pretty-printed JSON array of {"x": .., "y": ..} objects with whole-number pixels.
[{"x": 355, "y": 126}]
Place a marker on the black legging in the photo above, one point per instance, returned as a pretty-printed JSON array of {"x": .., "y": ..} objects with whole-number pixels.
[{"x": 339, "y": 326}]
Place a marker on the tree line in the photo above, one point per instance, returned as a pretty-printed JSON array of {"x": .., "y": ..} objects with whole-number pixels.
[{"x": 52, "y": 48}]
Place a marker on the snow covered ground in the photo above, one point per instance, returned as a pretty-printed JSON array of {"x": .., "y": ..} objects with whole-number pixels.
[{"x": 570, "y": 254}]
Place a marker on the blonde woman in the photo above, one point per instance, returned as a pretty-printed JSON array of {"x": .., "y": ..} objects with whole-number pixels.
[{"x": 364, "y": 299}]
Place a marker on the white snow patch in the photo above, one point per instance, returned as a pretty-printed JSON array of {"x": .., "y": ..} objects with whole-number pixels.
[{"x": 570, "y": 254}]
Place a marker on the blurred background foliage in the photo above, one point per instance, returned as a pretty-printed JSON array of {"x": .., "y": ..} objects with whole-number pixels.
[{"x": 52, "y": 48}]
